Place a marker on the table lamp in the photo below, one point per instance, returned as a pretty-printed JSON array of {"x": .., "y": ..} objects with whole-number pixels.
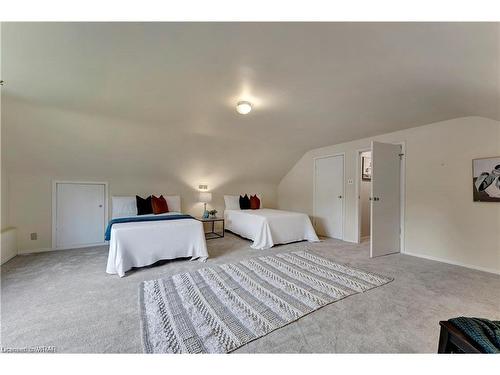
[{"x": 205, "y": 198}]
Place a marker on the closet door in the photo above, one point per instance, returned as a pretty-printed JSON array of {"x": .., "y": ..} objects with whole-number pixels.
[
  {"x": 80, "y": 214},
  {"x": 329, "y": 196}
]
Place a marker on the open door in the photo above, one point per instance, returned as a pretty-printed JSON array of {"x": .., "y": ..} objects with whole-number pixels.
[{"x": 385, "y": 199}]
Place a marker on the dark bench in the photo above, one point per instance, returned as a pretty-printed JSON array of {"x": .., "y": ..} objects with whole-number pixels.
[{"x": 451, "y": 340}]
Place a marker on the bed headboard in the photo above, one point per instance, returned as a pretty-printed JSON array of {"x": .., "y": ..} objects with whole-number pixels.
[{"x": 127, "y": 206}]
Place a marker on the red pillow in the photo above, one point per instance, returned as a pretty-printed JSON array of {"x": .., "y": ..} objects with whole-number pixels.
[
  {"x": 159, "y": 205},
  {"x": 254, "y": 202}
]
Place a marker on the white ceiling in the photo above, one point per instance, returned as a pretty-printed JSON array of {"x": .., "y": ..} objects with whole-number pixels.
[{"x": 161, "y": 96}]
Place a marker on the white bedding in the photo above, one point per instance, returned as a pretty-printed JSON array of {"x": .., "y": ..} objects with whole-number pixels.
[
  {"x": 267, "y": 227},
  {"x": 139, "y": 244}
]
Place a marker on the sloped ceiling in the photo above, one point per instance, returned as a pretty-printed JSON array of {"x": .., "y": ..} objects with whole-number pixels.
[{"x": 143, "y": 99}]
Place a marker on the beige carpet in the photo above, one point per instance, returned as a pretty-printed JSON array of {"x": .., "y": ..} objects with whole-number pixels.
[{"x": 66, "y": 299}]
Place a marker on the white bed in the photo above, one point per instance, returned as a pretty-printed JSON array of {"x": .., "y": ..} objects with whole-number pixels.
[
  {"x": 267, "y": 227},
  {"x": 139, "y": 244}
]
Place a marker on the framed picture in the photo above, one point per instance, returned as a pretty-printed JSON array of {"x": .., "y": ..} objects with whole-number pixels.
[
  {"x": 366, "y": 168},
  {"x": 486, "y": 179}
]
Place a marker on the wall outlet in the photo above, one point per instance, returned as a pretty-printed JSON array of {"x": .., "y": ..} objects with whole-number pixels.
[
  {"x": 33, "y": 236},
  {"x": 350, "y": 181}
]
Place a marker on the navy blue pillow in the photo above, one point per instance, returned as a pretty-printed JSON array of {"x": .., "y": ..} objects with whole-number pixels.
[
  {"x": 244, "y": 202},
  {"x": 144, "y": 206}
]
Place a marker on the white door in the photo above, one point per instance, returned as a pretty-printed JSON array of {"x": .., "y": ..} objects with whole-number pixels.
[
  {"x": 80, "y": 214},
  {"x": 385, "y": 199},
  {"x": 329, "y": 196}
]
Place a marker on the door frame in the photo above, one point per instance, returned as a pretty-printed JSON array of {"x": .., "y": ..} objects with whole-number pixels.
[
  {"x": 343, "y": 188},
  {"x": 358, "y": 190},
  {"x": 402, "y": 194},
  {"x": 54, "y": 210}
]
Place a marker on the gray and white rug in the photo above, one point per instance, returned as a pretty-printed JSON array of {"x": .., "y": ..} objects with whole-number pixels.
[{"x": 220, "y": 308}]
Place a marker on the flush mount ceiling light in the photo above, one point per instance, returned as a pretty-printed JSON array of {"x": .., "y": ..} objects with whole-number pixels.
[{"x": 243, "y": 107}]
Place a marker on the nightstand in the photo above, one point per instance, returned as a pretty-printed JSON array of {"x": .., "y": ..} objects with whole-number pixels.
[{"x": 213, "y": 234}]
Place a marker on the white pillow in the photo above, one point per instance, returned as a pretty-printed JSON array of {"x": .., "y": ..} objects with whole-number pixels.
[
  {"x": 232, "y": 202},
  {"x": 123, "y": 206},
  {"x": 260, "y": 198},
  {"x": 173, "y": 202}
]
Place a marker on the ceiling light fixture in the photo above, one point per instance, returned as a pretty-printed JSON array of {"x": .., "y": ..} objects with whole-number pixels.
[{"x": 243, "y": 107}]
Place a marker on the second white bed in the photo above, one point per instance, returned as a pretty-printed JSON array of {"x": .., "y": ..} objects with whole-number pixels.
[{"x": 268, "y": 227}]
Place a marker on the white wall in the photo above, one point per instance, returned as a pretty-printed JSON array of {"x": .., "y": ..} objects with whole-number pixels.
[
  {"x": 442, "y": 221},
  {"x": 8, "y": 236},
  {"x": 30, "y": 200},
  {"x": 4, "y": 202},
  {"x": 46, "y": 144},
  {"x": 3, "y": 177}
]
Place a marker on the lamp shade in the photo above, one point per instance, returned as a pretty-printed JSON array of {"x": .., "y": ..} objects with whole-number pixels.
[{"x": 205, "y": 197}]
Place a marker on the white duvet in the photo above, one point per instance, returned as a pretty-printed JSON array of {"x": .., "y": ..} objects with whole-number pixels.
[
  {"x": 267, "y": 227},
  {"x": 139, "y": 244}
]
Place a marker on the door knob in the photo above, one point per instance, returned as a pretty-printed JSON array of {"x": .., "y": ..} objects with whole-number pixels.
[
  {"x": 340, "y": 196},
  {"x": 100, "y": 205}
]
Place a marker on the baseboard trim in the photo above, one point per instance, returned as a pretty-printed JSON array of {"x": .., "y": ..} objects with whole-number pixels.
[
  {"x": 477, "y": 268},
  {"x": 43, "y": 250},
  {"x": 33, "y": 251},
  {"x": 346, "y": 240}
]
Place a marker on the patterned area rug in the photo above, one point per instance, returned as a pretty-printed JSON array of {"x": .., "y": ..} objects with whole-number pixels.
[{"x": 219, "y": 309}]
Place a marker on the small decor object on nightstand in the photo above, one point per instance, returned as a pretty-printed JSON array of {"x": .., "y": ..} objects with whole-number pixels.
[
  {"x": 212, "y": 213},
  {"x": 205, "y": 198}
]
